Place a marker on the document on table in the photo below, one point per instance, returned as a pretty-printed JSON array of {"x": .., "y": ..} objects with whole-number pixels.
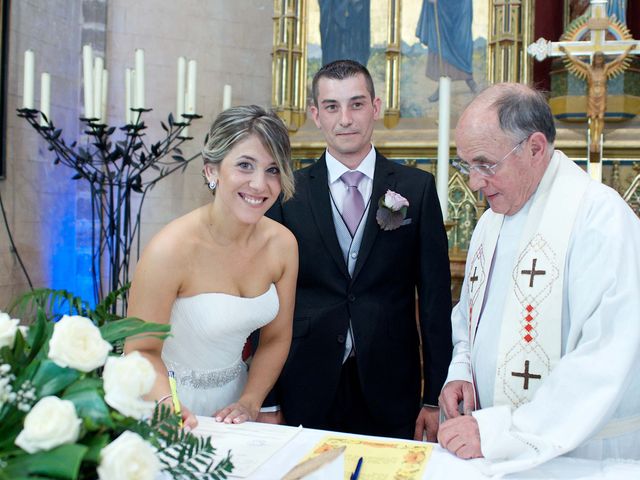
[
  {"x": 251, "y": 444},
  {"x": 381, "y": 459}
]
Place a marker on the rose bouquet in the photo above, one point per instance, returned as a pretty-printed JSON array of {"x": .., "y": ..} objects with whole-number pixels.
[{"x": 72, "y": 408}]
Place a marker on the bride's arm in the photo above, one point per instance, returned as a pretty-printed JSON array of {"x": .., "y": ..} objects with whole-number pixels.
[
  {"x": 275, "y": 338},
  {"x": 154, "y": 288}
]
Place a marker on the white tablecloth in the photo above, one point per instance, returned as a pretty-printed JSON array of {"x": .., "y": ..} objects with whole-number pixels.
[{"x": 445, "y": 466}]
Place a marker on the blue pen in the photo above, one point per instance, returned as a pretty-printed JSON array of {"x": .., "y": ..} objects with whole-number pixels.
[{"x": 356, "y": 472}]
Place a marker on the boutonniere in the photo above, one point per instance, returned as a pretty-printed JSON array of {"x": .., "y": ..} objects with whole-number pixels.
[{"x": 392, "y": 209}]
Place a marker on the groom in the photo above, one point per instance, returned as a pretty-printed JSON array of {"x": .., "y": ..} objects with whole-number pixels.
[{"x": 354, "y": 364}]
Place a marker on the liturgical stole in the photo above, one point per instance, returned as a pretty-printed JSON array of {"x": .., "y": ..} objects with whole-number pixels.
[{"x": 530, "y": 336}]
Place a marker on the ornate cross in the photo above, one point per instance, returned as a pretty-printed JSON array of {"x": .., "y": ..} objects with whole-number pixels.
[
  {"x": 473, "y": 278},
  {"x": 574, "y": 45},
  {"x": 533, "y": 272},
  {"x": 526, "y": 375}
]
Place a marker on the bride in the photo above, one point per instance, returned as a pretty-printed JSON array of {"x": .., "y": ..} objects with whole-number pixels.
[{"x": 222, "y": 271}]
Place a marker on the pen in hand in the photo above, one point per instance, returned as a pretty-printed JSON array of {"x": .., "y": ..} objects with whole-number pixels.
[
  {"x": 174, "y": 395},
  {"x": 356, "y": 472}
]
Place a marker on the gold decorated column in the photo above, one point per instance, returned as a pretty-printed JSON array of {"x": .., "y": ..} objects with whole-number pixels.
[
  {"x": 392, "y": 67},
  {"x": 511, "y": 30},
  {"x": 289, "y": 65}
]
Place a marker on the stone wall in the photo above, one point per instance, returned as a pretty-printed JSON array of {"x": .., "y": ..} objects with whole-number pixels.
[{"x": 48, "y": 213}]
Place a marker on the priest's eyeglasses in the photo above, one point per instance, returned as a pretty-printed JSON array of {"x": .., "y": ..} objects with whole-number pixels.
[{"x": 484, "y": 169}]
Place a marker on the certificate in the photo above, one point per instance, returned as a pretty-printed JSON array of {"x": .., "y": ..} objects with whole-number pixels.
[{"x": 251, "y": 444}]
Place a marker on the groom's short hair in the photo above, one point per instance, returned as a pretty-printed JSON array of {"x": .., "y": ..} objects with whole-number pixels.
[{"x": 339, "y": 70}]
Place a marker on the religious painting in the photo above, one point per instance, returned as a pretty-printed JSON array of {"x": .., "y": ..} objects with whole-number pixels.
[
  {"x": 4, "y": 54},
  {"x": 576, "y": 8},
  {"x": 359, "y": 30}
]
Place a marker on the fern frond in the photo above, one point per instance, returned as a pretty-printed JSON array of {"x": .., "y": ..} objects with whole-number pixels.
[
  {"x": 184, "y": 455},
  {"x": 52, "y": 302}
]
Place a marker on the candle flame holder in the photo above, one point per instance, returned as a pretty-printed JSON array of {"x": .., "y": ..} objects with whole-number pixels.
[{"x": 119, "y": 173}]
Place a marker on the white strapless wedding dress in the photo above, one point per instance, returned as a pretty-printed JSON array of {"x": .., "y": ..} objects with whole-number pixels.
[{"x": 208, "y": 332}]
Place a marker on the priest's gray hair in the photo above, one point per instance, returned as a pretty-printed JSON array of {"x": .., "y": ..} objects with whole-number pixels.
[
  {"x": 523, "y": 111},
  {"x": 236, "y": 124}
]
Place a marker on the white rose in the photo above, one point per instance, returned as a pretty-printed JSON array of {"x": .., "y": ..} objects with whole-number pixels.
[
  {"x": 50, "y": 423},
  {"x": 128, "y": 457},
  {"x": 126, "y": 379},
  {"x": 76, "y": 342},
  {"x": 8, "y": 329}
]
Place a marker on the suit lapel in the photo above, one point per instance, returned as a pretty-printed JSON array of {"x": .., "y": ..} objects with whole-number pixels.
[
  {"x": 320, "y": 202},
  {"x": 383, "y": 180}
]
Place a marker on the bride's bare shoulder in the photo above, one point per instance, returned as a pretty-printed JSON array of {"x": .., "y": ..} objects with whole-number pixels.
[
  {"x": 278, "y": 235},
  {"x": 176, "y": 239}
]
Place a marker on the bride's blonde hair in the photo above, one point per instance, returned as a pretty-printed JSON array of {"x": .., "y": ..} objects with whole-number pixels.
[{"x": 237, "y": 123}]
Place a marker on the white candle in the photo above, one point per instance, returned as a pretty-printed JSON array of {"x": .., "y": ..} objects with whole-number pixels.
[
  {"x": 226, "y": 97},
  {"x": 28, "y": 81},
  {"x": 87, "y": 75},
  {"x": 442, "y": 172},
  {"x": 139, "y": 95},
  {"x": 595, "y": 170},
  {"x": 103, "y": 105},
  {"x": 182, "y": 66},
  {"x": 127, "y": 96},
  {"x": 192, "y": 70},
  {"x": 98, "y": 66},
  {"x": 45, "y": 98},
  {"x": 133, "y": 115}
]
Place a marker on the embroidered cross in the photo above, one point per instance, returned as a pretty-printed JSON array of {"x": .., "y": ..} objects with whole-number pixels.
[
  {"x": 474, "y": 278},
  {"x": 526, "y": 375},
  {"x": 533, "y": 272}
]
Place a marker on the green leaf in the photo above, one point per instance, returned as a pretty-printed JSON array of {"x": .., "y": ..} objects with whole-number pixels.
[
  {"x": 96, "y": 444},
  {"x": 51, "y": 378},
  {"x": 90, "y": 406},
  {"x": 61, "y": 462},
  {"x": 127, "y": 327}
]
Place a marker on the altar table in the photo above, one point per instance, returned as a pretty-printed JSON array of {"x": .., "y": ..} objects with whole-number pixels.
[{"x": 446, "y": 466}]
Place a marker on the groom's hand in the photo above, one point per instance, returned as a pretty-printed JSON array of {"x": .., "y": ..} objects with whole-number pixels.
[
  {"x": 276, "y": 418},
  {"x": 427, "y": 424}
]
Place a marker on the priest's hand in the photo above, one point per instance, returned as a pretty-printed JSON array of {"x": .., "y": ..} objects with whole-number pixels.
[
  {"x": 461, "y": 436},
  {"x": 235, "y": 413},
  {"x": 427, "y": 424},
  {"x": 276, "y": 418},
  {"x": 452, "y": 394}
]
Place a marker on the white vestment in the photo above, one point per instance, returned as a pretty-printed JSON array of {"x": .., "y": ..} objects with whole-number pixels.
[{"x": 589, "y": 404}]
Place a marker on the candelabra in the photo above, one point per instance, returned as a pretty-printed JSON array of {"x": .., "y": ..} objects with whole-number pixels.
[{"x": 118, "y": 172}]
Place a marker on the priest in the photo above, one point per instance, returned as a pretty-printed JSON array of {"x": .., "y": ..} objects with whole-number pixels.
[{"x": 547, "y": 332}]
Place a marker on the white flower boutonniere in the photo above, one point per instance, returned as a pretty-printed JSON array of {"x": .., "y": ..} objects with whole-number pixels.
[{"x": 392, "y": 210}]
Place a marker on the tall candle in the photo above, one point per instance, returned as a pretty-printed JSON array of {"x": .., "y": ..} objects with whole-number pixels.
[
  {"x": 226, "y": 97},
  {"x": 182, "y": 66},
  {"x": 103, "y": 103},
  {"x": 442, "y": 172},
  {"x": 87, "y": 75},
  {"x": 45, "y": 98},
  {"x": 28, "y": 81},
  {"x": 594, "y": 169},
  {"x": 139, "y": 95},
  {"x": 192, "y": 70},
  {"x": 98, "y": 65},
  {"x": 127, "y": 96},
  {"x": 133, "y": 115}
]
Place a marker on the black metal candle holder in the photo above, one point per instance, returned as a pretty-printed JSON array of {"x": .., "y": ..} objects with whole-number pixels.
[{"x": 116, "y": 171}]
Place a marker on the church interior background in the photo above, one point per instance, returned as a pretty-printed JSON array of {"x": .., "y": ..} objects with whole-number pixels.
[{"x": 267, "y": 50}]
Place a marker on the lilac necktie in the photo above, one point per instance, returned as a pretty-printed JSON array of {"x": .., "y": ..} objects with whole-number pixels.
[{"x": 353, "y": 206}]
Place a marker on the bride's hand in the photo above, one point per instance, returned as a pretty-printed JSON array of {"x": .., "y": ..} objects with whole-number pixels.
[
  {"x": 189, "y": 420},
  {"x": 234, "y": 413}
]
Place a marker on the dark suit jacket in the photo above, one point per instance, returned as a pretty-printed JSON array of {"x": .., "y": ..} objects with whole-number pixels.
[{"x": 379, "y": 300}]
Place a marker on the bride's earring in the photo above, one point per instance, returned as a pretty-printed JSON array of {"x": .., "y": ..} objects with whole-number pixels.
[{"x": 212, "y": 185}]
